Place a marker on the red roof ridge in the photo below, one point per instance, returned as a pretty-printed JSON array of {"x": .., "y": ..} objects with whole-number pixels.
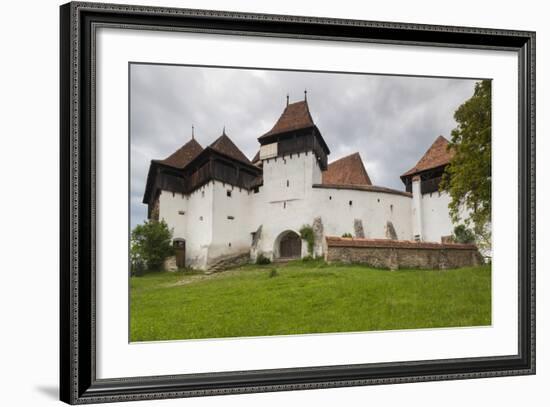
[
  {"x": 372, "y": 188},
  {"x": 389, "y": 243}
]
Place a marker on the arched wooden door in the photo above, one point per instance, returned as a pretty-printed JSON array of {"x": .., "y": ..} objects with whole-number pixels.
[{"x": 290, "y": 246}]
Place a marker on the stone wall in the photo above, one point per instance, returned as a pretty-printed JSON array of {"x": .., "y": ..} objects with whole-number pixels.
[{"x": 396, "y": 254}]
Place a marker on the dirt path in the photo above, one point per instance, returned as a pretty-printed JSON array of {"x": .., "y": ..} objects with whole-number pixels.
[{"x": 200, "y": 277}]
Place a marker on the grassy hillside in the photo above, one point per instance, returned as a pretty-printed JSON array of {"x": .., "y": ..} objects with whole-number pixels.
[{"x": 305, "y": 297}]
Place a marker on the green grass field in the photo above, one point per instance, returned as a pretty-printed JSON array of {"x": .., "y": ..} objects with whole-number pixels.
[{"x": 305, "y": 297}]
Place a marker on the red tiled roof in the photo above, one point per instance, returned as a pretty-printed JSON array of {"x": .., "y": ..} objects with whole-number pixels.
[
  {"x": 182, "y": 156},
  {"x": 436, "y": 156},
  {"x": 388, "y": 243},
  {"x": 372, "y": 188},
  {"x": 224, "y": 145},
  {"x": 295, "y": 116},
  {"x": 348, "y": 170}
]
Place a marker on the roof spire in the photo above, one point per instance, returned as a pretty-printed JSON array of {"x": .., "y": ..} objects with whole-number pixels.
[
  {"x": 193, "y": 132},
  {"x": 223, "y": 131},
  {"x": 305, "y": 95},
  {"x": 287, "y": 99}
]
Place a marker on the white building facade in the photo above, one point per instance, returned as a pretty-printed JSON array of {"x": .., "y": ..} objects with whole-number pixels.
[{"x": 224, "y": 205}]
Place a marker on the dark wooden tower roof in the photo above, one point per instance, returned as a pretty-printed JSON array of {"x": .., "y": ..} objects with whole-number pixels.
[
  {"x": 183, "y": 155},
  {"x": 348, "y": 170},
  {"x": 296, "y": 116},
  {"x": 225, "y": 145},
  {"x": 437, "y": 155}
]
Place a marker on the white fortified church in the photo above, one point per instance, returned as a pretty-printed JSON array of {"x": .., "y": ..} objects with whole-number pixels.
[{"x": 220, "y": 205}]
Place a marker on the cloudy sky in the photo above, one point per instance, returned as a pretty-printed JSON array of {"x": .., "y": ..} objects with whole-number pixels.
[{"x": 390, "y": 120}]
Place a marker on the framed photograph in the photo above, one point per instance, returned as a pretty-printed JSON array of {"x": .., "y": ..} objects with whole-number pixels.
[{"x": 254, "y": 203}]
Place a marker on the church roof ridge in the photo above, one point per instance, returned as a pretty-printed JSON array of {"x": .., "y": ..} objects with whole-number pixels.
[{"x": 348, "y": 170}]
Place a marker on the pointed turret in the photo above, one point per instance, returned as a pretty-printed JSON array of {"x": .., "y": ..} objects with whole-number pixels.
[
  {"x": 429, "y": 169},
  {"x": 296, "y": 116},
  {"x": 436, "y": 156},
  {"x": 183, "y": 155},
  {"x": 225, "y": 145},
  {"x": 294, "y": 132}
]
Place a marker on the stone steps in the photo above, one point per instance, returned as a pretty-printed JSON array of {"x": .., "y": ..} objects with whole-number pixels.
[{"x": 229, "y": 262}]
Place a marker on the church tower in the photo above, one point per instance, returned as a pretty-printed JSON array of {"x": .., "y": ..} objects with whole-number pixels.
[
  {"x": 293, "y": 154},
  {"x": 294, "y": 132}
]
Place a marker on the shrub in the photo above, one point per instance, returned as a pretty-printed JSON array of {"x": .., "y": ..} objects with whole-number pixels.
[
  {"x": 347, "y": 235},
  {"x": 137, "y": 267},
  {"x": 308, "y": 258},
  {"x": 151, "y": 243},
  {"x": 306, "y": 233},
  {"x": 462, "y": 234},
  {"x": 262, "y": 260},
  {"x": 273, "y": 273}
]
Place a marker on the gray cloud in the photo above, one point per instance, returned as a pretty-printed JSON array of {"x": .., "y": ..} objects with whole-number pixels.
[{"x": 390, "y": 120}]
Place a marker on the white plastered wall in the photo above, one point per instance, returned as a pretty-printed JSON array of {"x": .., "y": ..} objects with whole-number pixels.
[
  {"x": 194, "y": 225},
  {"x": 436, "y": 221},
  {"x": 232, "y": 224}
]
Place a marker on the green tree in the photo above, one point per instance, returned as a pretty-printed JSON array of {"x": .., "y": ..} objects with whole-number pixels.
[
  {"x": 467, "y": 178},
  {"x": 462, "y": 234},
  {"x": 151, "y": 243}
]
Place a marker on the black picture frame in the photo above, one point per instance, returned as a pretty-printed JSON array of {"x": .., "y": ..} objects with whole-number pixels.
[{"x": 78, "y": 382}]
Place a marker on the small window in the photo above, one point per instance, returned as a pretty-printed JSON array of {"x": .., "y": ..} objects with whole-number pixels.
[
  {"x": 181, "y": 212},
  {"x": 229, "y": 193},
  {"x": 256, "y": 190},
  {"x": 230, "y": 217},
  {"x": 350, "y": 203},
  {"x": 173, "y": 194},
  {"x": 330, "y": 198},
  {"x": 378, "y": 199},
  {"x": 229, "y": 244},
  {"x": 201, "y": 218},
  {"x": 287, "y": 183},
  {"x": 284, "y": 205},
  {"x": 391, "y": 208},
  {"x": 202, "y": 194}
]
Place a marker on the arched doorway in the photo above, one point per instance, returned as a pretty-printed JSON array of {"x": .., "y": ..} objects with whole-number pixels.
[{"x": 288, "y": 245}]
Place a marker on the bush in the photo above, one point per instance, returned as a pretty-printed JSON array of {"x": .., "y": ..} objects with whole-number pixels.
[
  {"x": 308, "y": 258},
  {"x": 462, "y": 234},
  {"x": 273, "y": 273},
  {"x": 306, "y": 233},
  {"x": 137, "y": 267},
  {"x": 151, "y": 243},
  {"x": 262, "y": 260},
  {"x": 347, "y": 235}
]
